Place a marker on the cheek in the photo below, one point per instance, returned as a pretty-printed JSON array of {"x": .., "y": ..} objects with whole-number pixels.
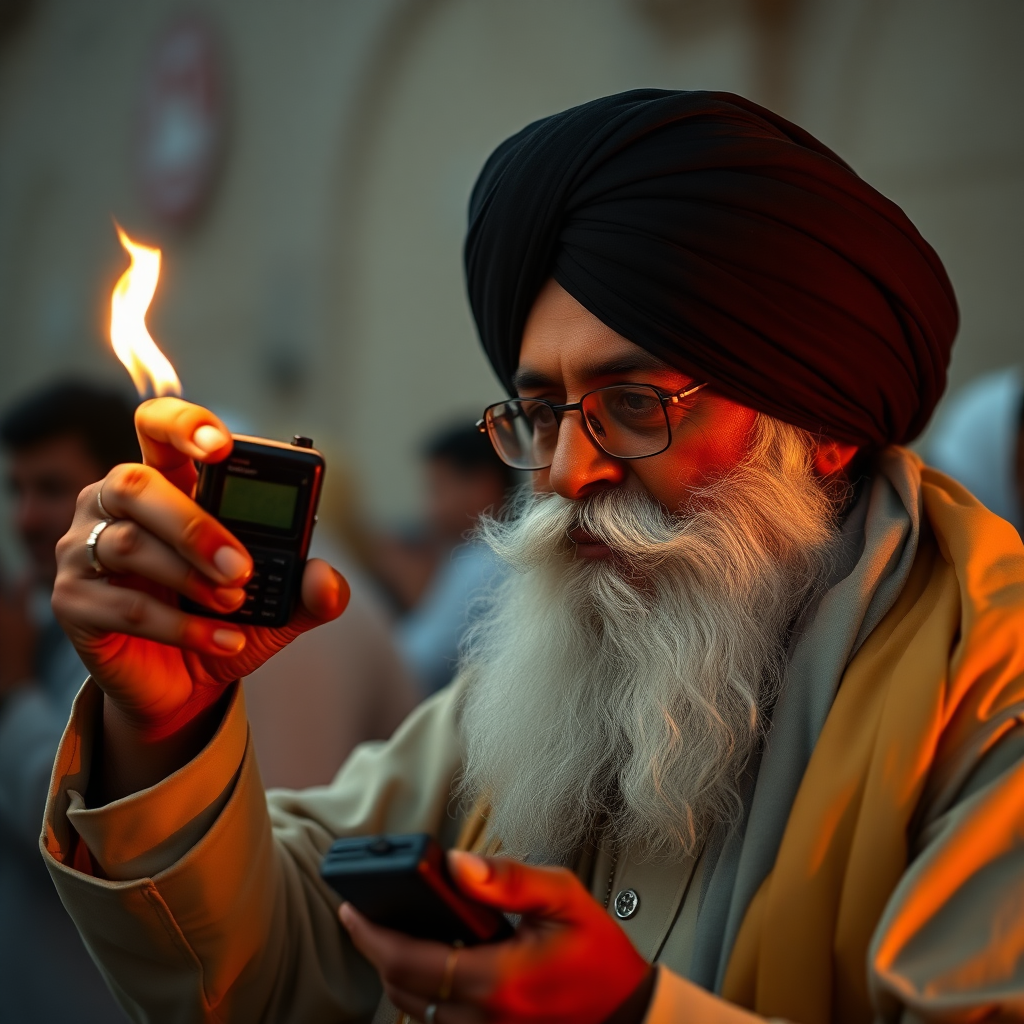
[{"x": 702, "y": 450}]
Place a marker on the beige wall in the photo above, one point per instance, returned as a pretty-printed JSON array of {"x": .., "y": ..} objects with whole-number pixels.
[{"x": 333, "y": 239}]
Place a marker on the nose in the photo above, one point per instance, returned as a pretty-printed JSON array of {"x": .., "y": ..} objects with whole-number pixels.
[{"x": 579, "y": 466}]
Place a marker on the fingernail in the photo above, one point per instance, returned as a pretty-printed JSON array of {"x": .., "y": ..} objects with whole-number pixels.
[
  {"x": 345, "y": 915},
  {"x": 471, "y": 867},
  {"x": 209, "y": 438},
  {"x": 228, "y": 640},
  {"x": 229, "y": 597},
  {"x": 231, "y": 563}
]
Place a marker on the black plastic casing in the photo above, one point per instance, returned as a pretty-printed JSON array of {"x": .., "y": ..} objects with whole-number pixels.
[
  {"x": 402, "y": 882},
  {"x": 278, "y": 553}
]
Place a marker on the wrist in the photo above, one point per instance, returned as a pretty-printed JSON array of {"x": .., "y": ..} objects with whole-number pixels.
[
  {"x": 155, "y": 727},
  {"x": 134, "y": 755},
  {"x": 633, "y": 1008}
]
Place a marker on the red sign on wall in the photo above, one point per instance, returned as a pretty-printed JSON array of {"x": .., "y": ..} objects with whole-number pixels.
[{"x": 182, "y": 132}]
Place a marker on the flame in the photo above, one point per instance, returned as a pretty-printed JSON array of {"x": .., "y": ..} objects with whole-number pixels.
[{"x": 151, "y": 370}]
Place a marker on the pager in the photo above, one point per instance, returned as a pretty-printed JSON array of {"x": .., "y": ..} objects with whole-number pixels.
[
  {"x": 266, "y": 493},
  {"x": 402, "y": 882}
]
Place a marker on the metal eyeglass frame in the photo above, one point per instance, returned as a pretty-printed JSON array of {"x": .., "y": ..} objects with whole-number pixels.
[{"x": 559, "y": 410}]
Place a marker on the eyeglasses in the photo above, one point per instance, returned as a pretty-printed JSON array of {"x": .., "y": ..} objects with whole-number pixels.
[{"x": 626, "y": 421}]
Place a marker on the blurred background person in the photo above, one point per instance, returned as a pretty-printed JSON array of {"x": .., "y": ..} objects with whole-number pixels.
[
  {"x": 335, "y": 686},
  {"x": 435, "y": 575},
  {"x": 56, "y": 441},
  {"x": 977, "y": 439}
]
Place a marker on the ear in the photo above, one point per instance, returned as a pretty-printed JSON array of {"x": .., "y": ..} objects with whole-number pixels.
[{"x": 832, "y": 457}]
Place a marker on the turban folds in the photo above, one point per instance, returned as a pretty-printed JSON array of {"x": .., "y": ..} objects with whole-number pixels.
[{"x": 727, "y": 242}]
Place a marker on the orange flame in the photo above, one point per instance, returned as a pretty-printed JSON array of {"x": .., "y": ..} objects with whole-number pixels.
[{"x": 151, "y": 370}]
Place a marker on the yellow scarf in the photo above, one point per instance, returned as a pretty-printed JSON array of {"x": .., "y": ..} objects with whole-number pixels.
[{"x": 947, "y": 659}]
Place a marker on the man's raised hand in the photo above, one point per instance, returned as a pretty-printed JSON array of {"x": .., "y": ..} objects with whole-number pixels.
[{"x": 159, "y": 667}]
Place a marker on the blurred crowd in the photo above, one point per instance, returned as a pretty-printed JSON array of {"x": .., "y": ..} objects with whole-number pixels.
[{"x": 414, "y": 588}]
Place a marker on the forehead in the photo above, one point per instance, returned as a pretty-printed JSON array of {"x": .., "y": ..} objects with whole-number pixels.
[{"x": 564, "y": 343}]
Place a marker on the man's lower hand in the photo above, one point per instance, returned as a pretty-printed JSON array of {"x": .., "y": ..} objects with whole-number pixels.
[{"x": 569, "y": 962}]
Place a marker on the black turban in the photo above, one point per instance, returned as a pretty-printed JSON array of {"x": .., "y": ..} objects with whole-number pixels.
[{"x": 729, "y": 243}]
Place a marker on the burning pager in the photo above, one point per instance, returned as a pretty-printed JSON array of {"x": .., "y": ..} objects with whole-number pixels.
[{"x": 266, "y": 493}]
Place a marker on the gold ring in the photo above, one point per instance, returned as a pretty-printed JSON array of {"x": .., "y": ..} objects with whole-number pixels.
[
  {"x": 90, "y": 546},
  {"x": 444, "y": 993}
]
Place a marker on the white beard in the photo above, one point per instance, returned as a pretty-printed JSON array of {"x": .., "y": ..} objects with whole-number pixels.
[{"x": 620, "y": 699}]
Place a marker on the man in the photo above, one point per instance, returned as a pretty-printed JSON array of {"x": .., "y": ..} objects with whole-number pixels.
[
  {"x": 758, "y": 682},
  {"x": 57, "y": 441},
  {"x": 464, "y": 480}
]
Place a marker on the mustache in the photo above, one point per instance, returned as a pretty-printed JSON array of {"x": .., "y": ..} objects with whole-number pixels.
[
  {"x": 769, "y": 509},
  {"x": 630, "y": 523},
  {"x": 641, "y": 532}
]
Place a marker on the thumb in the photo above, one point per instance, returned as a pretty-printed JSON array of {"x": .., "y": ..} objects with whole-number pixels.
[
  {"x": 519, "y": 888},
  {"x": 325, "y": 595}
]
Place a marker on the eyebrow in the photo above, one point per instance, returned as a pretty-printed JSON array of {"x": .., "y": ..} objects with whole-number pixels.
[{"x": 535, "y": 379}]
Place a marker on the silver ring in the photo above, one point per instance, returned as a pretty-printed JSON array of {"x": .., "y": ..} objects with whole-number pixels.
[
  {"x": 430, "y": 1013},
  {"x": 90, "y": 546},
  {"x": 99, "y": 501}
]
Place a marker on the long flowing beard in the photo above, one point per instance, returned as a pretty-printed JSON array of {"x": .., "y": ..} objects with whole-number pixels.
[{"x": 622, "y": 698}]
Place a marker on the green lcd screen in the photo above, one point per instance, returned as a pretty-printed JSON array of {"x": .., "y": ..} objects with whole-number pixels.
[{"x": 258, "y": 501}]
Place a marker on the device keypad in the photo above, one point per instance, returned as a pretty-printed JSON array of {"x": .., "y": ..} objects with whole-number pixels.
[{"x": 267, "y": 592}]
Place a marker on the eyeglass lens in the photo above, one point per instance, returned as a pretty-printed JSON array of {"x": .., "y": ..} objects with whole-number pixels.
[{"x": 628, "y": 422}]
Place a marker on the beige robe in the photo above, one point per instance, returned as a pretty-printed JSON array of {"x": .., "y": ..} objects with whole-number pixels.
[{"x": 221, "y": 916}]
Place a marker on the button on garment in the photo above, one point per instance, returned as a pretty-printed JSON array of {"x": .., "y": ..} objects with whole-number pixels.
[
  {"x": 654, "y": 901},
  {"x": 626, "y": 903}
]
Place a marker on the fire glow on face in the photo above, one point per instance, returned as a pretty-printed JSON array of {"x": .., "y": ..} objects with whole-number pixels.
[{"x": 150, "y": 369}]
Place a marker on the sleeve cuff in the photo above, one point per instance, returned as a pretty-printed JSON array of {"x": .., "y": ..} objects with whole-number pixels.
[
  {"x": 145, "y": 833},
  {"x": 676, "y": 999}
]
